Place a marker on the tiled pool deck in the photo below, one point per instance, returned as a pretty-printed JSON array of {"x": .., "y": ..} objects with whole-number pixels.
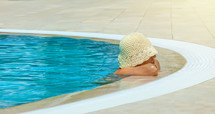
[{"x": 184, "y": 20}]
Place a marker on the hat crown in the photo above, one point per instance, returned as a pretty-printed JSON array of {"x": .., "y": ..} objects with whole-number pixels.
[
  {"x": 133, "y": 43},
  {"x": 135, "y": 48}
]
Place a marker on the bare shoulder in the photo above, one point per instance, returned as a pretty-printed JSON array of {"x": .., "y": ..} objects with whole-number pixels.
[{"x": 143, "y": 70}]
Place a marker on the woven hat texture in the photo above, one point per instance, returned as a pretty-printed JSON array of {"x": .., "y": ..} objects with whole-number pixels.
[{"x": 135, "y": 48}]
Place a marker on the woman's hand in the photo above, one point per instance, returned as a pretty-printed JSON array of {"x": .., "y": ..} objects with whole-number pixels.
[{"x": 157, "y": 64}]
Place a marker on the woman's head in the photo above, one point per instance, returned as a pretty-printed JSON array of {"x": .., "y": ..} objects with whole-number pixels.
[{"x": 135, "y": 49}]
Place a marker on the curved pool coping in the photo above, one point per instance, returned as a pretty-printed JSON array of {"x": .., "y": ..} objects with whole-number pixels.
[{"x": 199, "y": 67}]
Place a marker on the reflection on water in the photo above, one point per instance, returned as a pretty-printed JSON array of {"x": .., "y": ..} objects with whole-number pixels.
[
  {"x": 110, "y": 78},
  {"x": 33, "y": 68}
]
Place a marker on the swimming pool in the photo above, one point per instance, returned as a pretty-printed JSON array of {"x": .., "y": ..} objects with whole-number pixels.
[{"x": 34, "y": 68}]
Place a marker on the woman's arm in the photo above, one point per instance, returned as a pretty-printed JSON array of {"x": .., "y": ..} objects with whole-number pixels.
[
  {"x": 143, "y": 70},
  {"x": 148, "y": 70},
  {"x": 157, "y": 64}
]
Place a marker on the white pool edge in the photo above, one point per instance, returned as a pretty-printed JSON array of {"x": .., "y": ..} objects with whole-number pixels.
[{"x": 199, "y": 68}]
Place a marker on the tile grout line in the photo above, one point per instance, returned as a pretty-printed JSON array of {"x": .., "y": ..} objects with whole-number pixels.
[
  {"x": 143, "y": 16},
  {"x": 117, "y": 16},
  {"x": 171, "y": 19},
  {"x": 103, "y": 28},
  {"x": 201, "y": 20}
]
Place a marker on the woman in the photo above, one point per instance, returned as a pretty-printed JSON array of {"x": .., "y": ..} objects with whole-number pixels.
[{"x": 137, "y": 56}]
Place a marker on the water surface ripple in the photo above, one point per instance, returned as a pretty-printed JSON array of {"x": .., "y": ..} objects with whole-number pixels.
[{"x": 33, "y": 68}]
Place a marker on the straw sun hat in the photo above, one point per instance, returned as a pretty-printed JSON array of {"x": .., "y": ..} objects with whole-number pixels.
[{"x": 135, "y": 48}]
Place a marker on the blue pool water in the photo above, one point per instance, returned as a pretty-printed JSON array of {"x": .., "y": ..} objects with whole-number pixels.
[{"x": 33, "y": 68}]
